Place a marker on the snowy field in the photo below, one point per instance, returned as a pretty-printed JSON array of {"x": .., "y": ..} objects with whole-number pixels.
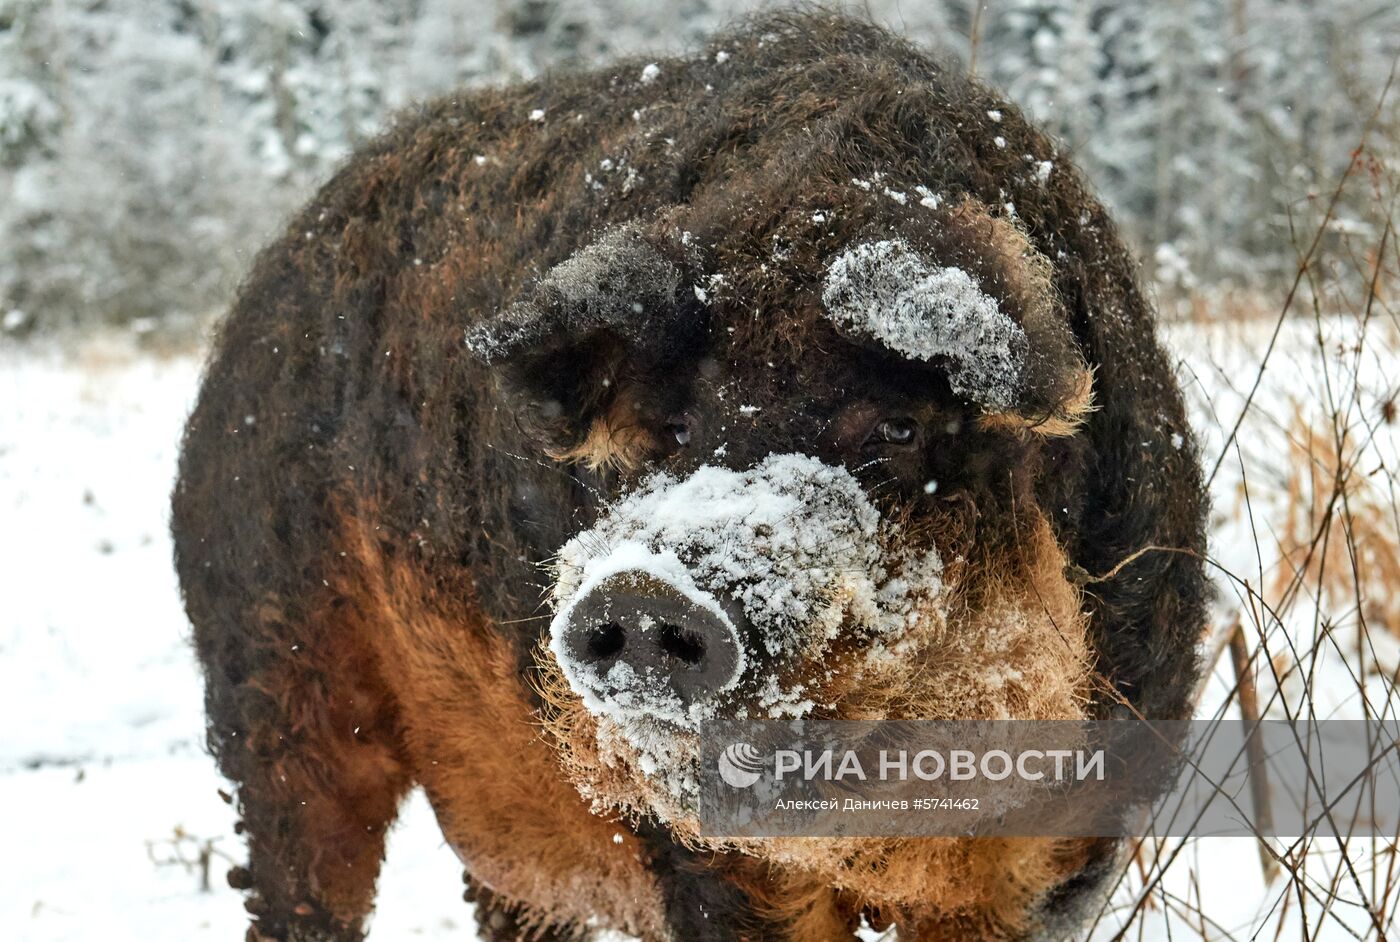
[
  {"x": 102, "y": 758},
  {"x": 101, "y": 767}
]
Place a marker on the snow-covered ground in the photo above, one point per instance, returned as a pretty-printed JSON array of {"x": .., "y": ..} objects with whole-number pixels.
[
  {"x": 101, "y": 765},
  {"x": 101, "y": 760}
]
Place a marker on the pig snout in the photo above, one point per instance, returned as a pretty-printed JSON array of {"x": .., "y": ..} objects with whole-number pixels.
[
  {"x": 719, "y": 594},
  {"x": 641, "y": 644}
]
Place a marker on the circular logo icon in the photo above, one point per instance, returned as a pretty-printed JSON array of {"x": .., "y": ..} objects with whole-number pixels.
[{"x": 740, "y": 765}]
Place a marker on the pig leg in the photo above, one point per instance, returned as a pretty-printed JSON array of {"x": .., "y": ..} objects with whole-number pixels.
[
  {"x": 504, "y": 803},
  {"x": 311, "y": 746},
  {"x": 472, "y": 737},
  {"x": 314, "y": 849}
]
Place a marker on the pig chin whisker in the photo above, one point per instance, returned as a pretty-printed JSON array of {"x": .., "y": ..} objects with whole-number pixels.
[
  {"x": 517, "y": 621},
  {"x": 595, "y": 545}
]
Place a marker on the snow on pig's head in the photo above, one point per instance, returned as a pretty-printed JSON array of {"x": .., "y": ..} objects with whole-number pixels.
[{"x": 810, "y": 440}]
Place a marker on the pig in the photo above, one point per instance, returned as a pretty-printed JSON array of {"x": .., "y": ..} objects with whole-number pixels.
[{"x": 796, "y": 377}]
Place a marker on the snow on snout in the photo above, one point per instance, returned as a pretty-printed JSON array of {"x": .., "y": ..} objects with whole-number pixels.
[
  {"x": 632, "y": 693},
  {"x": 886, "y": 292},
  {"x": 793, "y": 542}
]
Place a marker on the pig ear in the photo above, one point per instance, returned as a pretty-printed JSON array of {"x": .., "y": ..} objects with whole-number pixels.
[
  {"x": 1056, "y": 391},
  {"x": 1010, "y": 353},
  {"x": 613, "y": 304},
  {"x": 619, "y": 284}
]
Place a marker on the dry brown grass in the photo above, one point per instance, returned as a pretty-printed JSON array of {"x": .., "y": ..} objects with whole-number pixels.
[
  {"x": 1331, "y": 493},
  {"x": 1301, "y": 445}
]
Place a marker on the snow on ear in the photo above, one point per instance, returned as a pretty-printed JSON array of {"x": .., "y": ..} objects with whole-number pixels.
[
  {"x": 1057, "y": 385},
  {"x": 553, "y": 351},
  {"x": 618, "y": 283},
  {"x": 886, "y": 292}
]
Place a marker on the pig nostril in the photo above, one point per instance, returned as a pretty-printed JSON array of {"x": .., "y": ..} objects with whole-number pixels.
[
  {"x": 638, "y": 644},
  {"x": 685, "y": 646},
  {"x": 605, "y": 641}
]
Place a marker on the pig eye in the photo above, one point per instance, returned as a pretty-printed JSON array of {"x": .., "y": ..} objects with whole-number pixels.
[
  {"x": 896, "y": 430},
  {"x": 677, "y": 431}
]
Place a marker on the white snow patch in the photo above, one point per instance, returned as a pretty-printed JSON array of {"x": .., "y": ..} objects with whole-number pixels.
[
  {"x": 876, "y": 180},
  {"x": 928, "y": 198},
  {"x": 886, "y": 291},
  {"x": 650, "y": 73}
]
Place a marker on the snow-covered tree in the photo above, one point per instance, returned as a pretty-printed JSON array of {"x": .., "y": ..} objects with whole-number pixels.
[{"x": 148, "y": 146}]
